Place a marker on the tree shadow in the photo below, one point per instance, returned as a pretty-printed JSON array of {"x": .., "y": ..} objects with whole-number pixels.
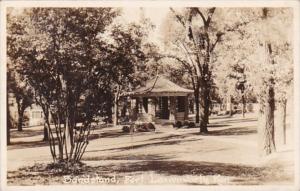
[
  {"x": 168, "y": 137},
  {"x": 118, "y": 133},
  {"x": 229, "y": 131},
  {"x": 187, "y": 168},
  {"x": 221, "y": 117},
  {"x": 128, "y": 157},
  {"x": 233, "y": 131},
  {"x": 216, "y": 125},
  {"x": 239, "y": 174},
  {"x": 237, "y": 121},
  {"x": 212, "y": 125},
  {"x": 25, "y": 145},
  {"x": 40, "y": 143},
  {"x": 160, "y": 143},
  {"x": 112, "y": 134},
  {"x": 26, "y": 132}
]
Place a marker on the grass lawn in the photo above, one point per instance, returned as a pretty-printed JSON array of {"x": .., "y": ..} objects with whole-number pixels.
[{"x": 227, "y": 155}]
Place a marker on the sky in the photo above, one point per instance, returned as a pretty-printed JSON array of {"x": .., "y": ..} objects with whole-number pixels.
[{"x": 156, "y": 14}]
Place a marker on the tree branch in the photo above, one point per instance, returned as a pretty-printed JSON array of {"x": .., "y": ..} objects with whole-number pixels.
[
  {"x": 179, "y": 18},
  {"x": 183, "y": 62},
  {"x": 219, "y": 35},
  {"x": 210, "y": 14},
  {"x": 201, "y": 15}
]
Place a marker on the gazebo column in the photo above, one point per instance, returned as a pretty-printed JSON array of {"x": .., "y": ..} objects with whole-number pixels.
[
  {"x": 186, "y": 108},
  {"x": 151, "y": 108},
  {"x": 172, "y": 106},
  {"x": 145, "y": 104},
  {"x": 131, "y": 110},
  {"x": 136, "y": 107}
]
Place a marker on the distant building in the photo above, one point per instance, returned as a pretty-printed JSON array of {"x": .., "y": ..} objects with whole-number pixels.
[
  {"x": 13, "y": 108},
  {"x": 33, "y": 115},
  {"x": 160, "y": 100}
]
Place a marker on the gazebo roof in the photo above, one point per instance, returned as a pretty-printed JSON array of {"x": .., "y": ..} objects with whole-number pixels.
[{"x": 160, "y": 86}]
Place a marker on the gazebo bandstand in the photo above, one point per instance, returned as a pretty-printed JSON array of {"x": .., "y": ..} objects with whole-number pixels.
[{"x": 160, "y": 101}]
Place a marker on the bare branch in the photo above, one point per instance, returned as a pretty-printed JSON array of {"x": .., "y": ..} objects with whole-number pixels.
[
  {"x": 219, "y": 35},
  {"x": 179, "y": 17},
  {"x": 207, "y": 21},
  {"x": 201, "y": 15},
  {"x": 210, "y": 14},
  {"x": 183, "y": 62}
]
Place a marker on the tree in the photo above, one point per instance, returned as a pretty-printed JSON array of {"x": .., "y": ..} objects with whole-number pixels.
[
  {"x": 8, "y": 121},
  {"x": 22, "y": 93},
  {"x": 264, "y": 65},
  {"x": 284, "y": 82},
  {"x": 268, "y": 91},
  {"x": 129, "y": 52},
  {"x": 59, "y": 53},
  {"x": 260, "y": 53},
  {"x": 198, "y": 44},
  {"x": 231, "y": 79},
  {"x": 201, "y": 31},
  {"x": 76, "y": 60}
]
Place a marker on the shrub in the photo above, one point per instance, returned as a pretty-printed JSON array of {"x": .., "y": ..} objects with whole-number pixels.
[
  {"x": 178, "y": 124},
  {"x": 150, "y": 127},
  {"x": 126, "y": 129},
  {"x": 145, "y": 127},
  {"x": 186, "y": 123},
  {"x": 191, "y": 125}
]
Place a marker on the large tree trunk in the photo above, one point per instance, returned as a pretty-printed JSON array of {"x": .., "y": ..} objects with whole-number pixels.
[
  {"x": 267, "y": 142},
  {"x": 109, "y": 111},
  {"x": 243, "y": 106},
  {"x": 269, "y": 130},
  {"x": 9, "y": 123},
  {"x": 46, "y": 136},
  {"x": 229, "y": 105},
  {"x": 116, "y": 108},
  {"x": 283, "y": 119},
  {"x": 197, "y": 105},
  {"x": 20, "y": 119},
  {"x": 267, "y": 110},
  {"x": 205, "y": 104}
]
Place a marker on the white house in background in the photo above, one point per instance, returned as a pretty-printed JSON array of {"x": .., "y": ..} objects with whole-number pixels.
[
  {"x": 33, "y": 115},
  {"x": 13, "y": 108}
]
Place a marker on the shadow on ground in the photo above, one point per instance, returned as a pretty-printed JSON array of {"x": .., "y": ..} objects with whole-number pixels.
[
  {"x": 228, "y": 132},
  {"x": 118, "y": 133},
  {"x": 26, "y": 132},
  {"x": 27, "y": 144},
  {"x": 129, "y": 157},
  {"x": 186, "y": 168},
  {"x": 166, "y": 140},
  {"x": 241, "y": 174},
  {"x": 236, "y": 121},
  {"x": 160, "y": 143}
]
